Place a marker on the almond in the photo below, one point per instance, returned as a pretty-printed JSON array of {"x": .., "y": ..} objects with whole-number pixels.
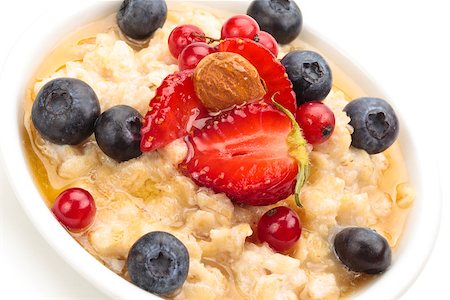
[{"x": 223, "y": 79}]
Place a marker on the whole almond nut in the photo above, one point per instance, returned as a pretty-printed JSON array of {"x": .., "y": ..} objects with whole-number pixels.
[{"x": 223, "y": 79}]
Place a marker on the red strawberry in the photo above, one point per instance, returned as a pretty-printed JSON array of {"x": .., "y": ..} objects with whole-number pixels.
[
  {"x": 171, "y": 112},
  {"x": 269, "y": 68},
  {"x": 245, "y": 154}
]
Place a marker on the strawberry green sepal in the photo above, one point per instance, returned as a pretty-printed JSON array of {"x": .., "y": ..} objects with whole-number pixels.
[
  {"x": 297, "y": 149},
  {"x": 303, "y": 173}
]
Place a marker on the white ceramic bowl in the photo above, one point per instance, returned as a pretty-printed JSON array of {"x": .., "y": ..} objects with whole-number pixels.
[{"x": 44, "y": 34}]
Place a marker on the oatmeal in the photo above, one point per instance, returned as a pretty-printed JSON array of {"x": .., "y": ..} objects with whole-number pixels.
[{"x": 346, "y": 186}]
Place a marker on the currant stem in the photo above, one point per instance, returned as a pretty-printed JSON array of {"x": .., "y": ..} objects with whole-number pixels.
[{"x": 209, "y": 39}]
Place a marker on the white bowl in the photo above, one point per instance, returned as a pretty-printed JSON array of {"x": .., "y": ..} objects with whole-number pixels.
[{"x": 419, "y": 235}]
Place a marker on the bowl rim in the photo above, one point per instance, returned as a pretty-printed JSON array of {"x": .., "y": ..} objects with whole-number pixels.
[{"x": 16, "y": 69}]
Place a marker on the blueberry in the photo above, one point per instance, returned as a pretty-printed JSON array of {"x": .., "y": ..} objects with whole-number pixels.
[
  {"x": 374, "y": 122},
  {"x": 310, "y": 75},
  {"x": 139, "y": 19},
  {"x": 281, "y": 18},
  {"x": 65, "y": 110},
  {"x": 158, "y": 263},
  {"x": 118, "y": 132},
  {"x": 362, "y": 250}
]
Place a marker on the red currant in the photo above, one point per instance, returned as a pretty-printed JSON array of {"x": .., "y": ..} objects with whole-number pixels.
[
  {"x": 75, "y": 209},
  {"x": 193, "y": 54},
  {"x": 267, "y": 41},
  {"x": 241, "y": 26},
  {"x": 280, "y": 228},
  {"x": 317, "y": 122},
  {"x": 183, "y": 35}
]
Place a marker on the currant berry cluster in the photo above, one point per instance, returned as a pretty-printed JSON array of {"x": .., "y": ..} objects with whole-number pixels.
[
  {"x": 189, "y": 44},
  {"x": 243, "y": 26}
]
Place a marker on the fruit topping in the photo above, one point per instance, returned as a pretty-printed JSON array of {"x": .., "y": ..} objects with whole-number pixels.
[
  {"x": 65, "y": 110},
  {"x": 184, "y": 35},
  {"x": 269, "y": 68},
  {"x": 159, "y": 263},
  {"x": 362, "y": 250},
  {"x": 310, "y": 75},
  {"x": 139, "y": 19},
  {"x": 375, "y": 124},
  {"x": 281, "y": 18},
  {"x": 171, "y": 112},
  {"x": 224, "y": 79},
  {"x": 317, "y": 122},
  {"x": 75, "y": 209},
  {"x": 192, "y": 54},
  {"x": 251, "y": 153},
  {"x": 117, "y": 132},
  {"x": 267, "y": 41},
  {"x": 239, "y": 26},
  {"x": 280, "y": 228},
  {"x": 245, "y": 27}
]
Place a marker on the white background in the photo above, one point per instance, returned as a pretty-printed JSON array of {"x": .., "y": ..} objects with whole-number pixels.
[{"x": 403, "y": 44}]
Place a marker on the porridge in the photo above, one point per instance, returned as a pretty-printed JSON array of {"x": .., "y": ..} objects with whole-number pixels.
[{"x": 218, "y": 228}]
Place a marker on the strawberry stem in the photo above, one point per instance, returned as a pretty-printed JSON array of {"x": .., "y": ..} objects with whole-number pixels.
[{"x": 297, "y": 149}]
